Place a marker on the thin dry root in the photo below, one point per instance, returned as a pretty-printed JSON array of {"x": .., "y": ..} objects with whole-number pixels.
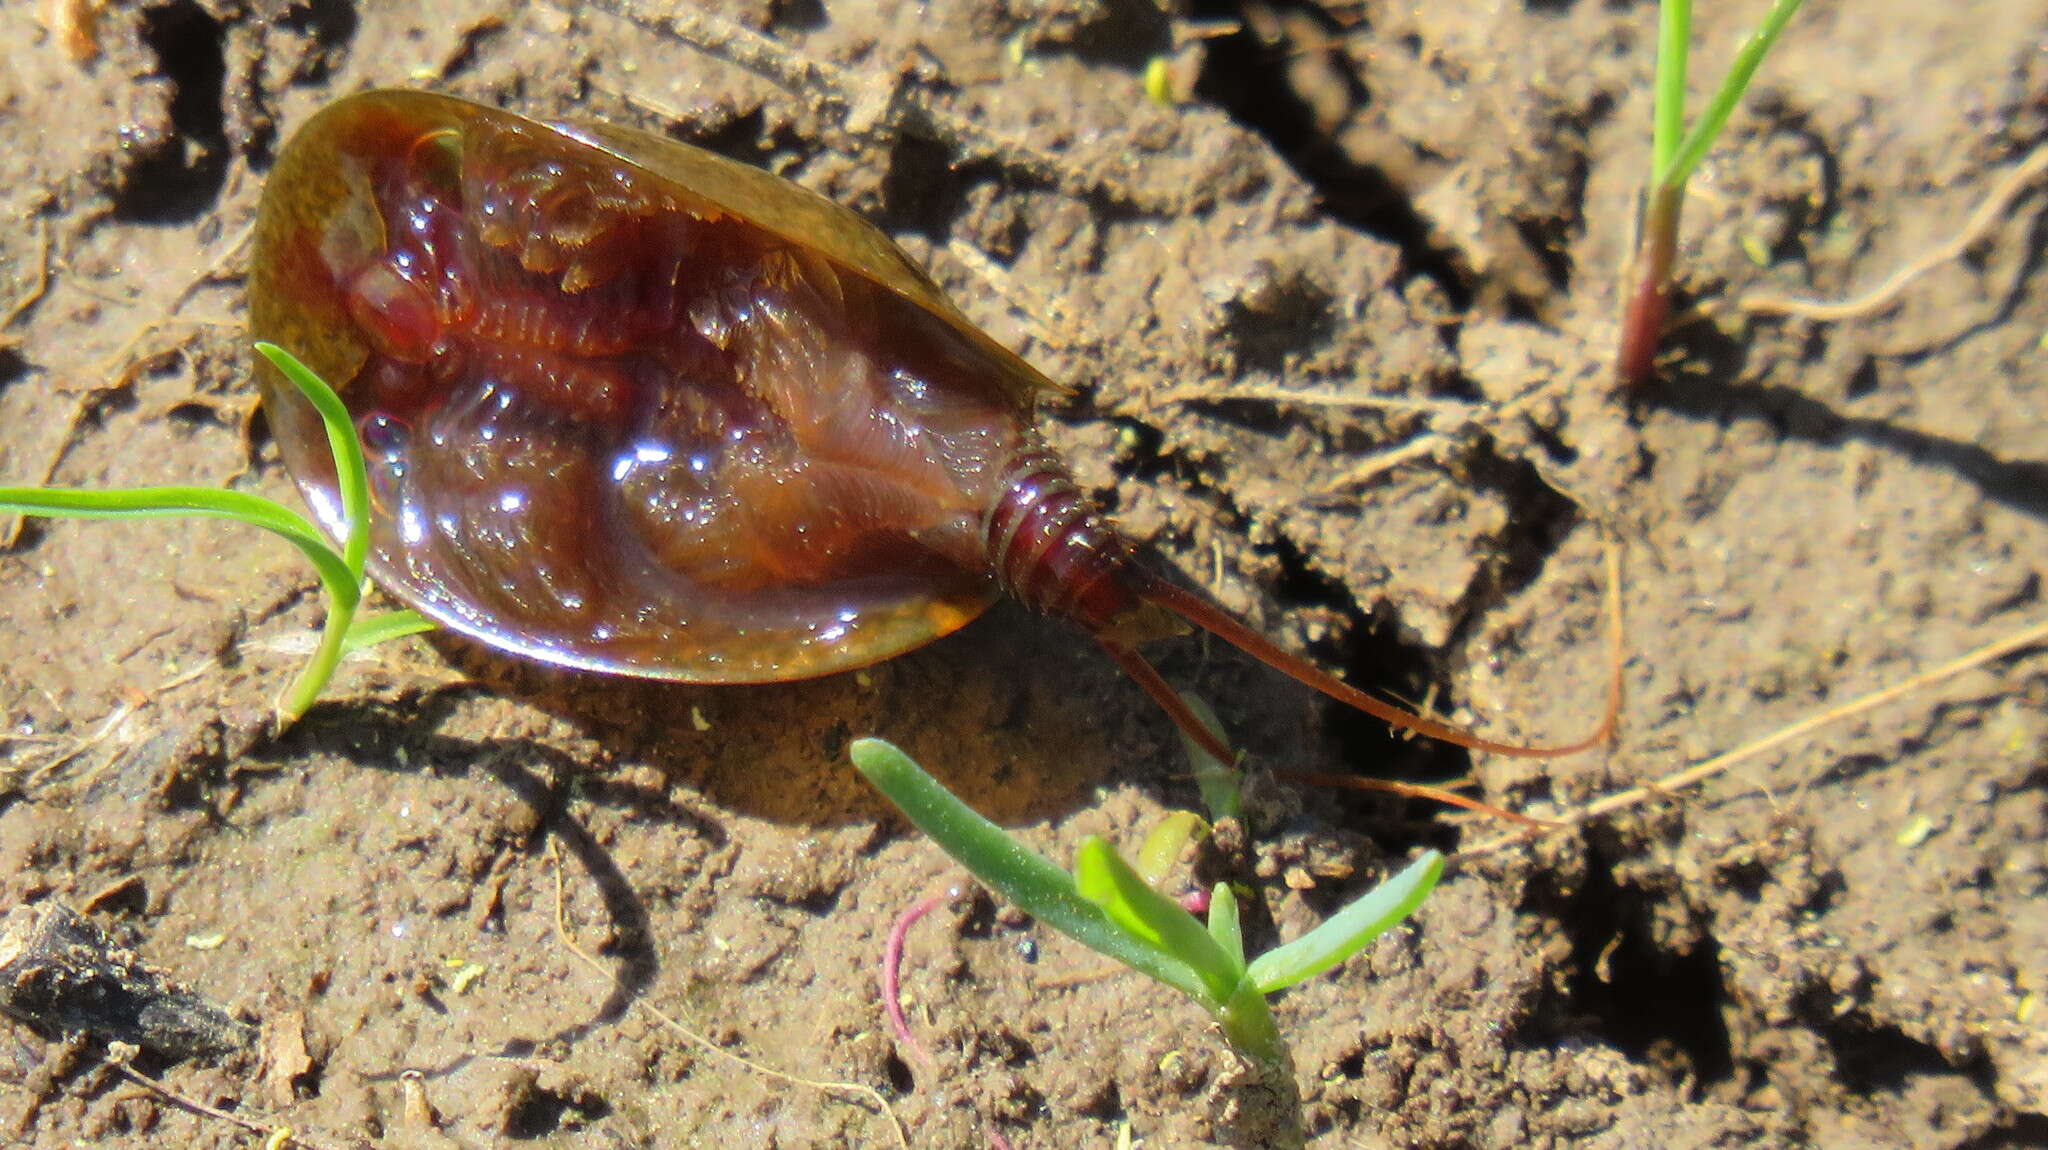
[
  {"x": 1883, "y": 294},
  {"x": 123, "y": 364},
  {"x": 41, "y": 287},
  {"x": 1301, "y": 397},
  {"x": 867, "y": 1093},
  {"x": 1048, "y": 317},
  {"x": 1457, "y": 418},
  {"x": 276, "y": 1135},
  {"x": 1413, "y": 791},
  {"x": 848, "y": 97},
  {"x": 1701, "y": 772}
]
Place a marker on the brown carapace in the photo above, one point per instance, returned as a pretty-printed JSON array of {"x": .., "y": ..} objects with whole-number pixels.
[{"x": 634, "y": 407}]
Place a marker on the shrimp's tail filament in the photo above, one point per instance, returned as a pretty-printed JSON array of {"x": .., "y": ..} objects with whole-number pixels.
[
  {"x": 1211, "y": 618},
  {"x": 1051, "y": 548}
]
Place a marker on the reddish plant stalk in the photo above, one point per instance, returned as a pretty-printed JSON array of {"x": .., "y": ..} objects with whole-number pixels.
[
  {"x": 1649, "y": 304},
  {"x": 892, "y": 968}
]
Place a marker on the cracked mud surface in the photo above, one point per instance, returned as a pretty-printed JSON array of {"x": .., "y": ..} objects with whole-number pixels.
[{"x": 1835, "y": 944}]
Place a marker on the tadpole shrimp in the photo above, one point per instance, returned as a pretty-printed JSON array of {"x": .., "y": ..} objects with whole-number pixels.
[{"x": 633, "y": 407}]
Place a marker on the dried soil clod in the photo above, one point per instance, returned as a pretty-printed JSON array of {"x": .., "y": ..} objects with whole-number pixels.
[
  {"x": 60, "y": 973},
  {"x": 286, "y": 1060}
]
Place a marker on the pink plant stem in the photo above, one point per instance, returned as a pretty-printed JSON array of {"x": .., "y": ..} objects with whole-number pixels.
[
  {"x": 1649, "y": 304},
  {"x": 892, "y": 965}
]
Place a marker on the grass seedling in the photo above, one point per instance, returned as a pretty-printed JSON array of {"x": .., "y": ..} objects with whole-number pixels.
[
  {"x": 341, "y": 571},
  {"x": 1676, "y": 152},
  {"x": 1105, "y": 905}
]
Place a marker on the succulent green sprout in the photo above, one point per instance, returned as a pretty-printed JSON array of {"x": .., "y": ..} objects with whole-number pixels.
[{"x": 1105, "y": 905}]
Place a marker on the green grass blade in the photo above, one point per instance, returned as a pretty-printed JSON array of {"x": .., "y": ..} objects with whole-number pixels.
[
  {"x": 1693, "y": 148},
  {"x": 1106, "y": 880},
  {"x": 370, "y": 630},
  {"x": 341, "y": 572},
  {"x": 351, "y": 476},
  {"x": 1674, "y": 41},
  {"x": 156, "y": 502},
  {"x": 1026, "y": 879},
  {"x": 1349, "y": 930}
]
